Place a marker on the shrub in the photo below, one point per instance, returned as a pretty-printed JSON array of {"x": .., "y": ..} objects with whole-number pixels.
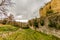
[
  {"x": 25, "y": 27},
  {"x": 42, "y": 22},
  {"x": 49, "y": 12},
  {"x": 58, "y": 26},
  {"x": 17, "y": 24},
  {"x": 35, "y": 23},
  {"x": 30, "y": 23},
  {"x": 52, "y": 24},
  {"x": 4, "y": 21},
  {"x": 54, "y": 21}
]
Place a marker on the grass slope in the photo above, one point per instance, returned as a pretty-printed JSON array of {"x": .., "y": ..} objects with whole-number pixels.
[
  {"x": 24, "y": 34},
  {"x": 8, "y": 28},
  {"x": 28, "y": 34}
]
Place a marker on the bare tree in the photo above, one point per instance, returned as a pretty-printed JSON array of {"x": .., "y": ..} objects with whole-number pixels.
[
  {"x": 10, "y": 18},
  {"x": 4, "y": 7}
]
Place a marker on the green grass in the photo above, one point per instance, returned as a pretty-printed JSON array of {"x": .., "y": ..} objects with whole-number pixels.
[
  {"x": 8, "y": 28},
  {"x": 28, "y": 34},
  {"x": 24, "y": 34}
]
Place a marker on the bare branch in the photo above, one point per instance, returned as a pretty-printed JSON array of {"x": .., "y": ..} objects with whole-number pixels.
[
  {"x": 3, "y": 8},
  {"x": 2, "y": 3}
]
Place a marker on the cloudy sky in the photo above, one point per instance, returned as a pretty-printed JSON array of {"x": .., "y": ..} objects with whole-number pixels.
[{"x": 27, "y": 9}]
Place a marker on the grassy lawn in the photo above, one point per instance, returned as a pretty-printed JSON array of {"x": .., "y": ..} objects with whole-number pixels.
[
  {"x": 24, "y": 34},
  {"x": 8, "y": 28},
  {"x": 28, "y": 34}
]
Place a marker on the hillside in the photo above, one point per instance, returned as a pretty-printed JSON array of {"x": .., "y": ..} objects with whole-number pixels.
[
  {"x": 28, "y": 34},
  {"x": 49, "y": 21},
  {"x": 52, "y": 6},
  {"x": 24, "y": 34},
  {"x": 47, "y": 27}
]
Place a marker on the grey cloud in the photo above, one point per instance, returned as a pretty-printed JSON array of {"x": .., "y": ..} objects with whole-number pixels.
[{"x": 29, "y": 8}]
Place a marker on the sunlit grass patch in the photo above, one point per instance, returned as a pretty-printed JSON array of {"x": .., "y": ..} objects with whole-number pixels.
[
  {"x": 8, "y": 28},
  {"x": 28, "y": 34},
  {"x": 23, "y": 34}
]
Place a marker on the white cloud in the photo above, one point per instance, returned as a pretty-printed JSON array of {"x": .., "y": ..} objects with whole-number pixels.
[
  {"x": 18, "y": 17},
  {"x": 0, "y": 1},
  {"x": 22, "y": 20}
]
